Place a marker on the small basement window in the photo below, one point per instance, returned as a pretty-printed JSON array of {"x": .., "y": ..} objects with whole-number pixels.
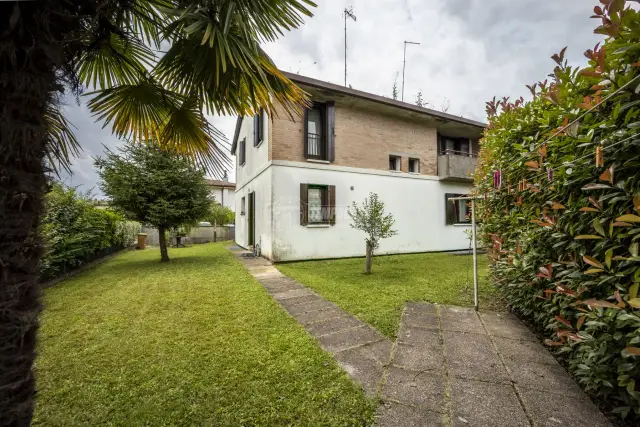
[
  {"x": 394, "y": 163},
  {"x": 414, "y": 165}
]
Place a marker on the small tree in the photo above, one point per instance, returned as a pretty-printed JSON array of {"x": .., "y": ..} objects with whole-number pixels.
[
  {"x": 154, "y": 187},
  {"x": 370, "y": 218},
  {"x": 419, "y": 100},
  {"x": 220, "y": 215},
  {"x": 394, "y": 88}
]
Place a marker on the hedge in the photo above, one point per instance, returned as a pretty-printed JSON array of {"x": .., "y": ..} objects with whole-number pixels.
[
  {"x": 560, "y": 176},
  {"x": 75, "y": 231}
]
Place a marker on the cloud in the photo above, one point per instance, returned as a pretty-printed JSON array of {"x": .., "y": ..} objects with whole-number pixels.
[{"x": 470, "y": 50}]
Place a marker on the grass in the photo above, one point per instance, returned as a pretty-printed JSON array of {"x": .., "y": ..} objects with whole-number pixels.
[
  {"x": 196, "y": 341},
  {"x": 378, "y": 298}
]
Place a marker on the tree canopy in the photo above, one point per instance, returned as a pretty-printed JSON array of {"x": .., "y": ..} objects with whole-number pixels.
[{"x": 154, "y": 187}]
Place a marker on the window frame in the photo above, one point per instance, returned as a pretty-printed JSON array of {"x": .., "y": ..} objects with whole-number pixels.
[
  {"x": 457, "y": 146},
  {"x": 324, "y": 204},
  {"x": 243, "y": 152},
  {"x": 242, "y": 205},
  {"x": 417, "y": 161},
  {"x": 322, "y": 148},
  {"x": 398, "y": 162},
  {"x": 258, "y": 131},
  {"x": 455, "y": 210}
]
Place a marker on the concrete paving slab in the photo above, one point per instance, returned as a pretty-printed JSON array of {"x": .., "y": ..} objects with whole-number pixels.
[
  {"x": 418, "y": 336},
  {"x": 319, "y": 316},
  {"x": 317, "y": 305},
  {"x": 350, "y": 338},
  {"x": 421, "y": 320},
  {"x": 418, "y": 358},
  {"x": 457, "y": 319},
  {"x": 365, "y": 371},
  {"x": 423, "y": 389},
  {"x": 523, "y": 351},
  {"x": 505, "y": 325},
  {"x": 396, "y": 415},
  {"x": 421, "y": 308},
  {"x": 472, "y": 356},
  {"x": 305, "y": 299},
  {"x": 379, "y": 351},
  {"x": 543, "y": 377},
  {"x": 333, "y": 325},
  {"x": 292, "y": 294},
  {"x": 552, "y": 410},
  {"x": 282, "y": 288},
  {"x": 482, "y": 404}
]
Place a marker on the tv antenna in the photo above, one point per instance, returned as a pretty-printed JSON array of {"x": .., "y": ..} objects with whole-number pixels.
[
  {"x": 404, "y": 64},
  {"x": 348, "y": 13}
]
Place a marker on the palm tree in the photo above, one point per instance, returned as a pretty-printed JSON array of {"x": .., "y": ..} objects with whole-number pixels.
[{"x": 155, "y": 67}]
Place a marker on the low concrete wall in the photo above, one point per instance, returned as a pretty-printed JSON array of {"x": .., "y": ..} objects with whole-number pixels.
[{"x": 196, "y": 235}]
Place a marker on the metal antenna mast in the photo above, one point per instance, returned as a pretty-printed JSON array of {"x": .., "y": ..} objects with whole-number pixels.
[
  {"x": 347, "y": 13},
  {"x": 404, "y": 64}
]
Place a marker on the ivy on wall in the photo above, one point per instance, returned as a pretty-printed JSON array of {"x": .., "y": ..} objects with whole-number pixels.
[{"x": 561, "y": 175}]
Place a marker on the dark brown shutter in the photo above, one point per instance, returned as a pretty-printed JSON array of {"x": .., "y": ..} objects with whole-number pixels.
[
  {"x": 450, "y": 209},
  {"x": 304, "y": 200},
  {"x": 261, "y": 126},
  {"x": 305, "y": 144},
  {"x": 330, "y": 131},
  {"x": 332, "y": 204},
  {"x": 256, "y": 129}
]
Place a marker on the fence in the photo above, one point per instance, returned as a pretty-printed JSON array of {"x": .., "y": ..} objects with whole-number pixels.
[{"x": 195, "y": 235}]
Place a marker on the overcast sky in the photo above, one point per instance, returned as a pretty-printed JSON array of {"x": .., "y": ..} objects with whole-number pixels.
[{"x": 470, "y": 50}]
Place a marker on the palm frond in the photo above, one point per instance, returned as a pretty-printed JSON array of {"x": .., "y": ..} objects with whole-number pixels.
[
  {"x": 113, "y": 59},
  {"x": 148, "y": 113},
  {"x": 62, "y": 144},
  {"x": 145, "y": 18}
]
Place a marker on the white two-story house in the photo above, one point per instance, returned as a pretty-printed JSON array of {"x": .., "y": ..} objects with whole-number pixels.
[{"x": 295, "y": 178}]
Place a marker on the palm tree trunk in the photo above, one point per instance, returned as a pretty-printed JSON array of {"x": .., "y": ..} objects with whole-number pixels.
[
  {"x": 25, "y": 90},
  {"x": 164, "y": 256},
  {"x": 369, "y": 259}
]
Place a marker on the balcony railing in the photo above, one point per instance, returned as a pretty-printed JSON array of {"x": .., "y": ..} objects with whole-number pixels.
[
  {"x": 315, "y": 146},
  {"x": 456, "y": 165}
]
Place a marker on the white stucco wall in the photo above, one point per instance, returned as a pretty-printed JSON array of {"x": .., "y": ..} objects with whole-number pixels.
[
  {"x": 257, "y": 158},
  {"x": 225, "y": 197},
  {"x": 261, "y": 185},
  {"x": 416, "y": 202}
]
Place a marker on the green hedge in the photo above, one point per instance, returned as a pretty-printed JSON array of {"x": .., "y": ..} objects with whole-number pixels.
[
  {"x": 75, "y": 231},
  {"x": 562, "y": 207}
]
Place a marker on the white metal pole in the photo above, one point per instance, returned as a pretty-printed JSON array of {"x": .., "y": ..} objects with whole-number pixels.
[{"x": 475, "y": 255}]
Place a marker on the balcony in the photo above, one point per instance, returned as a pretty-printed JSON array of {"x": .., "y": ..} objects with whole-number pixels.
[{"x": 456, "y": 166}]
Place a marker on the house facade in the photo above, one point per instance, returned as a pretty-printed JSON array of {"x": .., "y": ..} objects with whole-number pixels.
[
  {"x": 297, "y": 176},
  {"x": 223, "y": 192}
]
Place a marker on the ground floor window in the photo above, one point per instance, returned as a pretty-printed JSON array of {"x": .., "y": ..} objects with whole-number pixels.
[
  {"x": 317, "y": 204},
  {"x": 457, "y": 211}
]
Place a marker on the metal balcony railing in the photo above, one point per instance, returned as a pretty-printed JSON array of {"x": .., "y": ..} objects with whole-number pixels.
[{"x": 315, "y": 146}]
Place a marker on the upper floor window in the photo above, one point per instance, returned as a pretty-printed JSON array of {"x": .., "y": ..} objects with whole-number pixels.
[
  {"x": 258, "y": 128},
  {"x": 319, "y": 131},
  {"x": 455, "y": 146},
  {"x": 414, "y": 165},
  {"x": 394, "y": 163},
  {"x": 242, "y": 157}
]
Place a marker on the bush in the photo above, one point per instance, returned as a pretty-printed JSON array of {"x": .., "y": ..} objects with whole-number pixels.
[
  {"x": 562, "y": 208},
  {"x": 75, "y": 231}
]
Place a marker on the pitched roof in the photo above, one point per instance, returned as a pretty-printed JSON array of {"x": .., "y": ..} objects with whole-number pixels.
[{"x": 216, "y": 183}]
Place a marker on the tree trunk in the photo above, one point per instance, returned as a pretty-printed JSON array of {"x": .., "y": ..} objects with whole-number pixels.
[
  {"x": 164, "y": 256},
  {"x": 369, "y": 259},
  {"x": 28, "y": 77}
]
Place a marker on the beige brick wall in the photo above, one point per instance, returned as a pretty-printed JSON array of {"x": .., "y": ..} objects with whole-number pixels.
[{"x": 364, "y": 139}]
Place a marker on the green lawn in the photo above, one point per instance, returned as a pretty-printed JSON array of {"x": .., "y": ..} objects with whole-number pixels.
[
  {"x": 378, "y": 298},
  {"x": 196, "y": 341}
]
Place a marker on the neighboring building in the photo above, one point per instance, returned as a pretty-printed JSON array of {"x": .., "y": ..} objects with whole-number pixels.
[
  {"x": 296, "y": 177},
  {"x": 224, "y": 192}
]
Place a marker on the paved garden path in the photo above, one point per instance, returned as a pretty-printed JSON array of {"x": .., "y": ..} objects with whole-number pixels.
[{"x": 450, "y": 366}]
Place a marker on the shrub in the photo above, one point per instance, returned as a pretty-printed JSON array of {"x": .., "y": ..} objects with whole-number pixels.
[
  {"x": 561, "y": 177},
  {"x": 75, "y": 231}
]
